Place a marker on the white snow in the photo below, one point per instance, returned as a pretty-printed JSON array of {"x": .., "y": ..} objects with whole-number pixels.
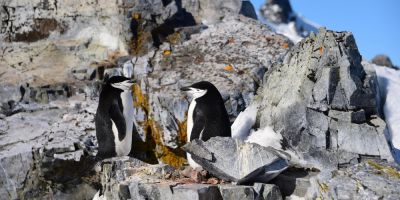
[
  {"x": 295, "y": 30},
  {"x": 244, "y": 122},
  {"x": 265, "y": 137},
  {"x": 389, "y": 90},
  {"x": 242, "y": 129}
]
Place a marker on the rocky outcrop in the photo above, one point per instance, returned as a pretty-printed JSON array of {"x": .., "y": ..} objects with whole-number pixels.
[
  {"x": 52, "y": 53},
  {"x": 128, "y": 178},
  {"x": 77, "y": 42},
  {"x": 68, "y": 39},
  {"x": 237, "y": 161},
  {"x": 368, "y": 180},
  {"x": 382, "y": 60},
  {"x": 46, "y": 147},
  {"x": 327, "y": 112},
  {"x": 224, "y": 54}
]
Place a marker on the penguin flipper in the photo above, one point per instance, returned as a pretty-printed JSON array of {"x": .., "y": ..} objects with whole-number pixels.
[{"x": 118, "y": 118}]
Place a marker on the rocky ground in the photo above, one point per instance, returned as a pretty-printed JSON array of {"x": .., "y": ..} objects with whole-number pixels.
[{"x": 317, "y": 94}]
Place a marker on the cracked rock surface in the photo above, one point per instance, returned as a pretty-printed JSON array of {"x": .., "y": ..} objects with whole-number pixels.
[{"x": 327, "y": 112}]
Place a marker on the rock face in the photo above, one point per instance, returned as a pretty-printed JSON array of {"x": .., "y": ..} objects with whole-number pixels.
[
  {"x": 53, "y": 54},
  {"x": 234, "y": 160},
  {"x": 368, "y": 180},
  {"x": 224, "y": 54},
  {"x": 39, "y": 38},
  {"x": 79, "y": 41},
  {"x": 68, "y": 39},
  {"x": 48, "y": 146},
  {"x": 328, "y": 109}
]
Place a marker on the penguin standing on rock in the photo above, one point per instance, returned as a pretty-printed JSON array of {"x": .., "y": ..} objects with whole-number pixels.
[
  {"x": 207, "y": 116},
  {"x": 114, "y": 118}
]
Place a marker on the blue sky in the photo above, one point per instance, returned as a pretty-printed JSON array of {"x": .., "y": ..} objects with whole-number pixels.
[{"x": 375, "y": 24}]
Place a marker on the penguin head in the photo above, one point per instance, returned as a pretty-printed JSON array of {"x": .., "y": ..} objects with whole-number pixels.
[
  {"x": 200, "y": 89},
  {"x": 120, "y": 82}
]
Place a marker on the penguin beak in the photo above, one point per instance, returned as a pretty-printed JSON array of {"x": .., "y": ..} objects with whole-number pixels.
[{"x": 185, "y": 89}]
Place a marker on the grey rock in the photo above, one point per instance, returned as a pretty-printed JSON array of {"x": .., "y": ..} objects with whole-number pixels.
[
  {"x": 129, "y": 178},
  {"x": 382, "y": 60},
  {"x": 267, "y": 191},
  {"x": 248, "y": 10},
  {"x": 327, "y": 108},
  {"x": 197, "y": 192},
  {"x": 367, "y": 180},
  {"x": 40, "y": 146},
  {"x": 210, "y": 12},
  {"x": 237, "y": 192},
  {"x": 237, "y": 161}
]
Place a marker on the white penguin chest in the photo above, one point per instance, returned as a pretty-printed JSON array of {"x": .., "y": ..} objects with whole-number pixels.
[
  {"x": 192, "y": 106},
  {"x": 123, "y": 147}
]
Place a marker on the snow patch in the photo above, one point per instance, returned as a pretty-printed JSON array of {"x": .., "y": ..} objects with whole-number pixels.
[
  {"x": 242, "y": 129},
  {"x": 295, "y": 30},
  {"x": 244, "y": 122},
  {"x": 265, "y": 137},
  {"x": 389, "y": 90}
]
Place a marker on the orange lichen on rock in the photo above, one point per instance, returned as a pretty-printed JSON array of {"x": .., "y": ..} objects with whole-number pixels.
[
  {"x": 153, "y": 143},
  {"x": 231, "y": 40},
  {"x": 285, "y": 45},
  {"x": 228, "y": 68},
  {"x": 182, "y": 136},
  {"x": 321, "y": 50}
]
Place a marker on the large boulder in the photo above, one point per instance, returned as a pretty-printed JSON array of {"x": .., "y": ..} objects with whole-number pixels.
[
  {"x": 238, "y": 161},
  {"x": 327, "y": 111}
]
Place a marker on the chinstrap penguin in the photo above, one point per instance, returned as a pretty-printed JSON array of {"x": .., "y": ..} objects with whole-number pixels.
[
  {"x": 207, "y": 116},
  {"x": 114, "y": 118}
]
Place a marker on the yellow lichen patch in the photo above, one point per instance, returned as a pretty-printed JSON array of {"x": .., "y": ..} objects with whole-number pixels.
[
  {"x": 392, "y": 172},
  {"x": 140, "y": 36},
  {"x": 153, "y": 143},
  {"x": 323, "y": 187},
  {"x": 285, "y": 45},
  {"x": 167, "y": 52},
  {"x": 136, "y": 16},
  {"x": 174, "y": 38},
  {"x": 228, "y": 68},
  {"x": 182, "y": 136},
  {"x": 321, "y": 50}
]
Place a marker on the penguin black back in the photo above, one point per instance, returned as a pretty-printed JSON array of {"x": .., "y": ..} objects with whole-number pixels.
[
  {"x": 210, "y": 117},
  {"x": 110, "y": 110}
]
